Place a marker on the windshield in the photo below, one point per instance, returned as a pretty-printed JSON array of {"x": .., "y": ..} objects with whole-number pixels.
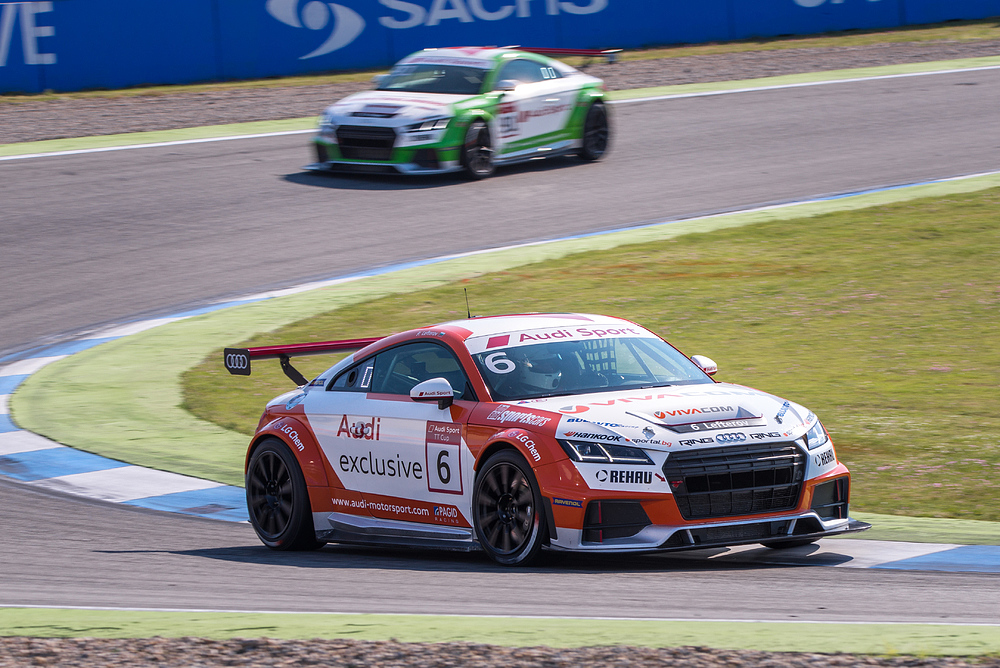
[
  {"x": 433, "y": 78},
  {"x": 579, "y": 367}
]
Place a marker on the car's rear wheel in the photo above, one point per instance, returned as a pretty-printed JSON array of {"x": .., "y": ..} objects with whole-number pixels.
[
  {"x": 506, "y": 506},
  {"x": 477, "y": 152},
  {"x": 786, "y": 544},
  {"x": 277, "y": 499},
  {"x": 595, "y": 132}
]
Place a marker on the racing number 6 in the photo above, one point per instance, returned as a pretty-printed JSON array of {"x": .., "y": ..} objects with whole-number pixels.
[
  {"x": 443, "y": 470},
  {"x": 498, "y": 363}
]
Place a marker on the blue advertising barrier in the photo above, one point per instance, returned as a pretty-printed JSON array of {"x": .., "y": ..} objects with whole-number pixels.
[{"x": 69, "y": 45}]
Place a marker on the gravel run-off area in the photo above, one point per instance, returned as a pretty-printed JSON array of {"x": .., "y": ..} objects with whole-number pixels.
[
  {"x": 191, "y": 652},
  {"x": 26, "y": 119}
]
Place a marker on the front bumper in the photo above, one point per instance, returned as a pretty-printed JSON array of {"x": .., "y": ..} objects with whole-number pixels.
[
  {"x": 658, "y": 538},
  {"x": 388, "y": 158}
]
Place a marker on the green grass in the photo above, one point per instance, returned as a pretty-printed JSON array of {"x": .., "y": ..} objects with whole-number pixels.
[
  {"x": 884, "y": 639},
  {"x": 952, "y": 31},
  {"x": 883, "y": 320}
]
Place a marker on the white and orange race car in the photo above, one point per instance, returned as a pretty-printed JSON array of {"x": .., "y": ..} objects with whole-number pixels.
[{"x": 515, "y": 433}]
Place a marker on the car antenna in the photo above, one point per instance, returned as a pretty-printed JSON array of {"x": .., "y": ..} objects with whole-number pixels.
[{"x": 468, "y": 311}]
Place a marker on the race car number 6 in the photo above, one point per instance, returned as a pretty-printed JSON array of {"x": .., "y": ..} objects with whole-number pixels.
[{"x": 498, "y": 363}]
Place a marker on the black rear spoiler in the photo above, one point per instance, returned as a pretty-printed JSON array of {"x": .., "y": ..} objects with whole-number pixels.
[
  {"x": 610, "y": 54},
  {"x": 237, "y": 360}
]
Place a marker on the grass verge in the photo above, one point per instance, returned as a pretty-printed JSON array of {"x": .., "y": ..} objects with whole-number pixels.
[
  {"x": 911, "y": 639},
  {"x": 952, "y": 31},
  {"x": 879, "y": 320}
]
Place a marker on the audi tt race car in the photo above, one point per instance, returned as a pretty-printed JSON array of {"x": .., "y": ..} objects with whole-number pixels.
[
  {"x": 512, "y": 433},
  {"x": 445, "y": 110}
]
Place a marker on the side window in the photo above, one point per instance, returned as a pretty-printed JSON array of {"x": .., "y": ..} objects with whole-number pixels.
[
  {"x": 399, "y": 369},
  {"x": 525, "y": 71},
  {"x": 356, "y": 379}
]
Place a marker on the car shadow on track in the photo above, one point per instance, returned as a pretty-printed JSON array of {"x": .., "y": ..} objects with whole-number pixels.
[
  {"x": 358, "y": 181},
  {"x": 350, "y": 557}
]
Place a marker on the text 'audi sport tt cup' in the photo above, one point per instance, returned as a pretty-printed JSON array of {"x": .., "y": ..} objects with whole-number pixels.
[
  {"x": 510, "y": 434},
  {"x": 472, "y": 109}
]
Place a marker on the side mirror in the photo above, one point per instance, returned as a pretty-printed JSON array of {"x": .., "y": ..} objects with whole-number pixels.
[
  {"x": 379, "y": 79},
  {"x": 435, "y": 389},
  {"x": 705, "y": 364},
  {"x": 507, "y": 85}
]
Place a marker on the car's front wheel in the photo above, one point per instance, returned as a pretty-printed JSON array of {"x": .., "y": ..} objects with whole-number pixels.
[
  {"x": 506, "y": 506},
  {"x": 477, "y": 152},
  {"x": 595, "y": 132},
  {"x": 277, "y": 499}
]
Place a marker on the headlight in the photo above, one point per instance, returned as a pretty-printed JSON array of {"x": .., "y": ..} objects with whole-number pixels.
[
  {"x": 816, "y": 436},
  {"x": 604, "y": 453},
  {"x": 326, "y": 124},
  {"x": 427, "y": 126}
]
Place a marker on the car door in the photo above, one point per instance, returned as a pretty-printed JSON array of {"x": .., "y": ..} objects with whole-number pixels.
[
  {"x": 539, "y": 106},
  {"x": 401, "y": 459}
]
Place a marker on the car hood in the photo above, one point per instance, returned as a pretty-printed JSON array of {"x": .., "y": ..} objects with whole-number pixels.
[
  {"x": 392, "y": 109},
  {"x": 689, "y": 416}
]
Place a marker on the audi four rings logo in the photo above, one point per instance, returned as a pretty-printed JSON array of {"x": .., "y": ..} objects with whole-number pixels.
[
  {"x": 234, "y": 361},
  {"x": 732, "y": 437}
]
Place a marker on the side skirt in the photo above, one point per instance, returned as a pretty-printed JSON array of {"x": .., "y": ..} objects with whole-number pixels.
[{"x": 362, "y": 530}]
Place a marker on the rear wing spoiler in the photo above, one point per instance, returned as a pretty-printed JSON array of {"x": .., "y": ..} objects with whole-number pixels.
[
  {"x": 610, "y": 54},
  {"x": 238, "y": 360}
]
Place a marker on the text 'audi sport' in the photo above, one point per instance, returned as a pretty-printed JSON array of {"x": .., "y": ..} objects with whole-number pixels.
[
  {"x": 472, "y": 109},
  {"x": 511, "y": 434}
]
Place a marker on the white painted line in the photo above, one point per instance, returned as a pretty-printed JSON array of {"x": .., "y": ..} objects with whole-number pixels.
[
  {"x": 29, "y": 366},
  {"x": 240, "y": 611},
  {"x": 4, "y": 404},
  {"x": 855, "y": 553},
  {"x": 124, "y": 483},
  {"x": 130, "y": 328},
  {"x": 179, "y": 142},
  {"x": 182, "y": 142},
  {"x": 804, "y": 84},
  {"x": 14, "y": 442}
]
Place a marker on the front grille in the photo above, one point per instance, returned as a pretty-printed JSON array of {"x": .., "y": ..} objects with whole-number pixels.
[
  {"x": 736, "y": 480},
  {"x": 364, "y": 143}
]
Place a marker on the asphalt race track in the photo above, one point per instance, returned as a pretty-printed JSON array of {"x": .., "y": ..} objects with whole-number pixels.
[{"x": 90, "y": 239}]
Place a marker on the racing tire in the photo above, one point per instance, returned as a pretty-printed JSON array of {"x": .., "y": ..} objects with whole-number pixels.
[
  {"x": 477, "y": 152},
  {"x": 595, "y": 133},
  {"x": 787, "y": 544},
  {"x": 277, "y": 499},
  {"x": 507, "y": 510}
]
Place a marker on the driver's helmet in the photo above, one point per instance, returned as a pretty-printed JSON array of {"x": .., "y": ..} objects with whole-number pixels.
[{"x": 541, "y": 369}]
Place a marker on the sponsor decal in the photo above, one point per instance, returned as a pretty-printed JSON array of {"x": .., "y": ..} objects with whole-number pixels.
[
  {"x": 498, "y": 341},
  {"x": 583, "y": 408},
  {"x": 316, "y": 16},
  {"x": 695, "y": 441},
  {"x": 627, "y": 477},
  {"x": 781, "y": 413},
  {"x": 368, "y": 429},
  {"x": 569, "y": 503},
  {"x": 291, "y": 433},
  {"x": 651, "y": 441},
  {"x": 429, "y": 333},
  {"x": 30, "y": 31},
  {"x": 732, "y": 437},
  {"x": 443, "y": 452},
  {"x": 825, "y": 457},
  {"x": 663, "y": 415},
  {"x": 505, "y": 413},
  {"x": 318, "y": 382},
  {"x": 410, "y": 14},
  {"x": 760, "y": 436},
  {"x": 613, "y": 425},
  {"x": 382, "y": 466},
  {"x": 237, "y": 361},
  {"x": 530, "y": 445},
  {"x": 593, "y": 437},
  {"x": 445, "y": 514}
]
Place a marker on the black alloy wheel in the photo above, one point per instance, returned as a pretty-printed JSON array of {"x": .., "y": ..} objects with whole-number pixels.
[
  {"x": 277, "y": 499},
  {"x": 595, "y": 132},
  {"x": 477, "y": 153},
  {"x": 506, "y": 505}
]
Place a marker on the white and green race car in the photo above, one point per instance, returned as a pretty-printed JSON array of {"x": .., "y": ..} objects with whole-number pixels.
[{"x": 472, "y": 109}]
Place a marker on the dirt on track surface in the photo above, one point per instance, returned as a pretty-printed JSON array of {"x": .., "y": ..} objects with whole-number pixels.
[
  {"x": 25, "y": 119},
  {"x": 168, "y": 653}
]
